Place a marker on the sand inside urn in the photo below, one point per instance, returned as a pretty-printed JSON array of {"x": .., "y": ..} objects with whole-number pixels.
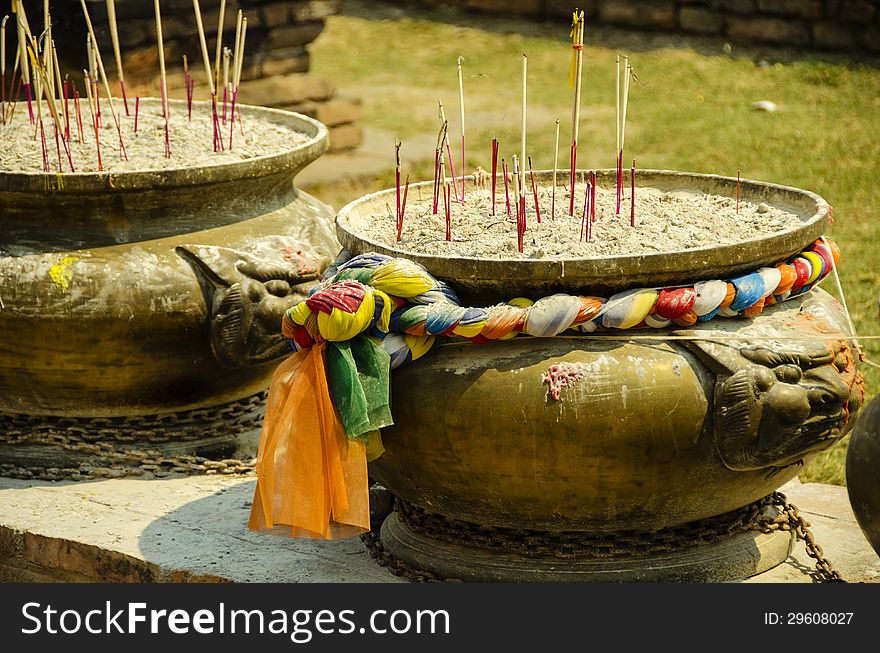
[
  {"x": 666, "y": 221},
  {"x": 191, "y": 141}
]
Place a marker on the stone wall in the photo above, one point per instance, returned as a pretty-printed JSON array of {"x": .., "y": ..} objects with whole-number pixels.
[
  {"x": 841, "y": 25},
  {"x": 276, "y": 63}
]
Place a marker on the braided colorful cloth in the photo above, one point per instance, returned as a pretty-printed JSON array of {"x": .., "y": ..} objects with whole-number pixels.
[{"x": 373, "y": 313}]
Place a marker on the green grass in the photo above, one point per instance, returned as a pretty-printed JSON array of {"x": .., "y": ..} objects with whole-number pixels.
[{"x": 691, "y": 111}]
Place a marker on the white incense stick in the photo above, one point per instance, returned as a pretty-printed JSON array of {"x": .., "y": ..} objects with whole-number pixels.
[
  {"x": 617, "y": 152},
  {"x": 461, "y": 102},
  {"x": 117, "y": 53},
  {"x": 219, "y": 49},
  {"x": 579, "y": 64},
  {"x": 555, "y": 167},
  {"x": 236, "y": 46},
  {"x": 161, "y": 44},
  {"x": 203, "y": 44},
  {"x": 104, "y": 75}
]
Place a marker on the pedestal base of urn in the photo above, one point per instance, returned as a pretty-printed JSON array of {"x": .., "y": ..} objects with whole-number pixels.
[
  {"x": 733, "y": 557},
  {"x": 203, "y": 440}
]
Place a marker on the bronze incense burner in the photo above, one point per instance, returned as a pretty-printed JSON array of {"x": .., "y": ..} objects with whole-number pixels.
[
  {"x": 141, "y": 309},
  {"x": 643, "y": 466}
]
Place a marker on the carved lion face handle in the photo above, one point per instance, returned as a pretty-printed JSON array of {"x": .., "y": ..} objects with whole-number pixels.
[
  {"x": 246, "y": 295},
  {"x": 775, "y": 406}
]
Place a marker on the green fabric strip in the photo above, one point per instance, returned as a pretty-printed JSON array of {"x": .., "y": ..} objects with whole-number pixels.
[{"x": 359, "y": 375}]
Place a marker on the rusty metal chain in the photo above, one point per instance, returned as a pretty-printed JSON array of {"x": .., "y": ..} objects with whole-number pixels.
[
  {"x": 771, "y": 513},
  {"x": 180, "y": 426},
  {"x": 789, "y": 519},
  {"x": 130, "y": 451},
  {"x": 397, "y": 566}
]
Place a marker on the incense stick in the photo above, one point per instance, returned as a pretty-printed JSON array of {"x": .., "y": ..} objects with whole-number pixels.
[
  {"x": 397, "y": 145},
  {"x": 187, "y": 82},
  {"x": 555, "y": 166},
  {"x": 632, "y": 181},
  {"x": 103, "y": 72},
  {"x": 163, "y": 80},
  {"x": 626, "y": 80},
  {"x": 20, "y": 22},
  {"x": 445, "y": 144},
  {"x": 447, "y": 194},
  {"x": 738, "y": 182},
  {"x": 219, "y": 48},
  {"x": 58, "y": 83},
  {"x": 239, "y": 56},
  {"x": 578, "y": 49},
  {"x": 520, "y": 206},
  {"x": 200, "y": 28},
  {"x": 137, "y": 110},
  {"x": 461, "y": 102},
  {"x": 114, "y": 37},
  {"x": 227, "y": 59},
  {"x": 88, "y": 82},
  {"x": 78, "y": 111},
  {"x": 3, "y": 68},
  {"x": 494, "y": 171},
  {"x": 403, "y": 209},
  {"x": 522, "y": 160},
  {"x": 506, "y": 185},
  {"x": 535, "y": 191},
  {"x": 617, "y": 156}
]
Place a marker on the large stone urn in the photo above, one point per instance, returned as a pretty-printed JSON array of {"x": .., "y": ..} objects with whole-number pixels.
[
  {"x": 141, "y": 309},
  {"x": 653, "y": 462}
]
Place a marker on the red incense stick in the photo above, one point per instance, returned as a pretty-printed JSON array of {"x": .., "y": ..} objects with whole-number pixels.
[
  {"x": 632, "y": 206},
  {"x": 521, "y": 223},
  {"x": 571, "y": 175},
  {"x": 448, "y": 200},
  {"x": 592, "y": 197},
  {"x": 585, "y": 220},
  {"x": 29, "y": 98},
  {"x": 43, "y": 143},
  {"x": 402, "y": 209},
  {"x": 137, "y": 110},
  {"x": 506, "y": 185},
  {"x": 78, "y": 112},
  {"x": 66, "y": 112},
  {"x": 535, "y": 191},
  {"x": 58, "y": 148},
  {"x": 738, "y": 182},
  {"x": 619, "y": 180},
  {"x": 452, "y": 170},
  {"x": 494, "y": 171},
  {"x": 397, "y": 179},
  {"x": 436, "y": 179}
]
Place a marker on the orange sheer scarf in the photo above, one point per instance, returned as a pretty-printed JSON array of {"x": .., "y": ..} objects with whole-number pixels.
[{"x": 310, "y": 476}]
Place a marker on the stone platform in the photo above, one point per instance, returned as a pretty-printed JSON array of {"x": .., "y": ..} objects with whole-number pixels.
[{"x": 193, "y": 529}]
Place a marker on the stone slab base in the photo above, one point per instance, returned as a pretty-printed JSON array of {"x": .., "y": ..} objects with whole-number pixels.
[{"x": 194, "y": 529}]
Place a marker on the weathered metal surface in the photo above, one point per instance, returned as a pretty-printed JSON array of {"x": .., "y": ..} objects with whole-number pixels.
[
  {"x": 480, "y": 280},
  {"x": 144, "y": 293},
  {"x": 640, "y": 438},
  {"x": 863, "y": 472}
]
